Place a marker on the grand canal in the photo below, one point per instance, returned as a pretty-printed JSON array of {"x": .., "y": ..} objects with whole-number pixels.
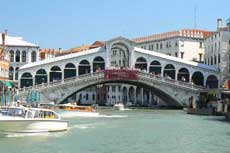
[{"x": 133, "y": 131}]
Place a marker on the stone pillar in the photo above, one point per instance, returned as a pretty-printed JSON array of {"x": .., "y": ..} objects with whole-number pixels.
[
  {"x": 150, "y": 97},
  {"x": 127, "y": 95},
  {"x": 135, "y": 95},
  {"x": 176, "y": 74},
  {"x": 142, "y": 96},
  {"x": 162, "y": 71},
  {"x": 62, "y": 75},
  {"x": 91, "y": 68},
  {"x": 77, "y": 70}
]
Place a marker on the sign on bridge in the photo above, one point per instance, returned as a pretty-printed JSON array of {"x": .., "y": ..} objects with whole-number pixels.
[{"x": 121, "y": 74}]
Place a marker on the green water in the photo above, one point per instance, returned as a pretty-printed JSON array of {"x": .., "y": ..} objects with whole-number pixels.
[{"x": 134, "y": 131}]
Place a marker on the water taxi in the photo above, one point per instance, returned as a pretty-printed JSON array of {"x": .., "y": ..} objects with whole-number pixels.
[
  {"x": 119, "y": 106},
  {"x": 75, "y": 107},
  {"x": 20, "y": 119}
]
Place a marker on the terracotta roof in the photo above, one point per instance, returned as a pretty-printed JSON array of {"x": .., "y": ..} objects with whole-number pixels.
[
  {"x": 97, "y": 44},
  {"x": 49, "y": 51},
  {"x": 190, "y": 33},
  {"x": 74, "y": 50}
]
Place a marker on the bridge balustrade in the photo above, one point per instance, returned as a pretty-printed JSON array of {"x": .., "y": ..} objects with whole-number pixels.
[{"x": 99, "y": 75}]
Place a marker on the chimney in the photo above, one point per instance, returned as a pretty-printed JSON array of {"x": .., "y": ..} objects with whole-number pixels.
[
  {"x": 219, "y": 24},
  {"x": 3, "y": 39},
  {"x": 6, "y": 31},
  {"x": 59, "y": 50}
]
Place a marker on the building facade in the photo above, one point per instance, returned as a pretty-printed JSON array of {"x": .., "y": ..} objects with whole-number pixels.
[
  {"x": 217, "y": 50},
  {"x": 186, "y": 44},
  {"x": 20, "y": 53}
]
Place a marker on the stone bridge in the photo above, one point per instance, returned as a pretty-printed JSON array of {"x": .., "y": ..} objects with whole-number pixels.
[{"x": 174, "y": 93}]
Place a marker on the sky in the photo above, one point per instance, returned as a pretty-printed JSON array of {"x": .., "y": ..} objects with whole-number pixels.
[{"x": 70, "y": 23}]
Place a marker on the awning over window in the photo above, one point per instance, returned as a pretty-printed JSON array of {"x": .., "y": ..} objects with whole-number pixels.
[{"x": 6, "y": 83}]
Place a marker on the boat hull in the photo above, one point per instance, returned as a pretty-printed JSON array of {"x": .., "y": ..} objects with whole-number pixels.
[{"x": 30, "y": 126}]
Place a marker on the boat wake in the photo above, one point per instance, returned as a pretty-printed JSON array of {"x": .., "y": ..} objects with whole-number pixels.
[
  {"x": 18, "y": 135},
  {"x": 88, "y": 115},
  {"x": 82, "y": 126}
]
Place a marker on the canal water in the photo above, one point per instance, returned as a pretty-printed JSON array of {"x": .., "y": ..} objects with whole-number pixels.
[{"x": 132, "y": 131}]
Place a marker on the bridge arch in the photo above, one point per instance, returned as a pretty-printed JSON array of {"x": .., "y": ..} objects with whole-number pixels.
[
  {"x": 155, "y": 67},
  {"x": 183, "y": 74},
  {"x": 98, "y": 64},
  {"x": 141, "y": 63},
  {"x": 69, "y": 70},
  {"x": 26, "y": 80},
  {"x": 55, "y": 73},
  {"x": 212, "y": 82},
  {"x": 84, "y": 67},
  {"x": 198, "y": 78},
  {"x": 41, "y": 76},
  {"x": 162, "y": 94},
  {"x": 170, "y": 71}
]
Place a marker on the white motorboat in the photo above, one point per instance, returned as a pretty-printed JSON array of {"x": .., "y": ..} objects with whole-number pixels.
[
  {"x": 119, "y": 106},
  {"x": 28, "y": 120}
]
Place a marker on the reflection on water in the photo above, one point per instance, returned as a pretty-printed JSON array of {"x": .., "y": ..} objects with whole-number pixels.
[{"x": 135, "y": 131}]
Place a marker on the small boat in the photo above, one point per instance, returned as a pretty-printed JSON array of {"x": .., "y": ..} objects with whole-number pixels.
[
  {"x": 20, "y": 119},
  {"x": 75, "y": 107},
  {"x": 119, "y": 106}
]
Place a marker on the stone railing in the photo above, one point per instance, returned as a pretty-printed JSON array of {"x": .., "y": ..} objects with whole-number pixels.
[{"x": 100, "y": 75}]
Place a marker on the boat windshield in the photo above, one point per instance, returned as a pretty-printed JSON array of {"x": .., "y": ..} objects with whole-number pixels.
[
  {"x": 45, "y": 114},
  {"x": 16, "y": 112}
]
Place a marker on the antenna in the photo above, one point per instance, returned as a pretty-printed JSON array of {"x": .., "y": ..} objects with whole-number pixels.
[{"x": 195, "y": 22}]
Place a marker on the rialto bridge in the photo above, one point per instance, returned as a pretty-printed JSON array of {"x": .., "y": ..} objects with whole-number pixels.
[{"x": 173, "y": 79}]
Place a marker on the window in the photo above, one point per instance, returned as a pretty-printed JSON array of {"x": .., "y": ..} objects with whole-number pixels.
[
  {"x": 11, "y": 56},
  {"x": 161, "y": 46},
  {"x": 86, "y": 97},
  {"x": 182, "y": 55},
  {"x": 214, "y": 59},
  {"x": 17, "y": 56},
  {"x": 93, "y": 97},
  {"x": 200, "y": 56},
  {"x": 201, "y": 45},
  {"x": 157, "y": 46},
  {"x": 211, "y": 60},
  {"x": 33, "y": 56},
  {"x": 113, "y": 88},
  {"x": 23, "y": 56},
  {"x": 176, "y": 55},
  {"x": 176, "y": 44}
]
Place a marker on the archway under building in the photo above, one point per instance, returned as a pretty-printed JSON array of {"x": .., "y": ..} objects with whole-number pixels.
[
  {"x": 84, "y": 67},
  {"x": 198, "y": 78},
  {"x": 26, "y": 80},
  {"x": 169, "y": 71},
  {"x": 212, "y": 82},
  {"x": 183, "y": 75},
  {"x": 41, "y": 76},
  {"x": 155, "y": 68},
  {"x": 141, "y": 64},
  {"x": 69, "y": 71},
  {"x": 98, "y": 64},
  {"x": 55, "y": 74}
]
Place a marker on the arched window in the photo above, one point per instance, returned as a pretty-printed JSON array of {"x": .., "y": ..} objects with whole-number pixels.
[
  {"x": 11, "y": 56},
  {"x": 155, "y": 67},
  {"x": 70, "y": 70},
  {"x": 169, "y": 71},
  {"x": 141, "y": 63},
  {"x": 41, "y": 76},
  {"x": 84, "y": 67},
  {"x": 212, "y": 82},
  {"x": 23, "y": 56},
  {"x": 16, "y": 73},
  {"x": 33, "y": 56},
  {"x": 17, "y": 56},
  {"x": 11, "y": 73},
  {"x": 198, "y": 78},
  {"x": 98, "y": 64},
  {"x": 183, "y": 75},
  {"x": 26, "y": 80},
  {"x": 55, "y": 73}
]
